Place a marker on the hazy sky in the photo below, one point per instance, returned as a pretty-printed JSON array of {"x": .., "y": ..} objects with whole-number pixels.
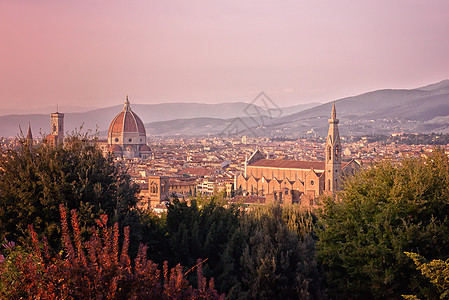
[{"x": 93, "y": 53}]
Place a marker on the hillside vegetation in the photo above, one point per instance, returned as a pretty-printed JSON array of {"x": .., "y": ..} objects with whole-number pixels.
[{"x": 86, "y": 239}]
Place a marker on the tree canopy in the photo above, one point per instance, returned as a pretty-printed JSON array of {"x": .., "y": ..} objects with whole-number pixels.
[
  {"x": 386, "y": 209},
  {"x": 36, "y": 179}
]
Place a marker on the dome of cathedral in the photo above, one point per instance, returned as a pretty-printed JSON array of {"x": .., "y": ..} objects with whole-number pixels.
[{"x": 126, "y": 122}]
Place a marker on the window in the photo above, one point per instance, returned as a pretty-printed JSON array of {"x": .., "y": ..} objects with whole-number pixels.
[
  {"x": 154, "y": 188},
  {"x": 312, "y": 182},
  {"x": 116, "y": 139},
  {"x": 130, "y": 140}
]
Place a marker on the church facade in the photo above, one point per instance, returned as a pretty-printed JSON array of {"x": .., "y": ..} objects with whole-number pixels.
[{"x": 293, "y": 181}]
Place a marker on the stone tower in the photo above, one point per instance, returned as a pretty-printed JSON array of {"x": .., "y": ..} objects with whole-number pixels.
[
  {"x": 333, "y": 155},
  {"x": 57, "y": 126},
  {"x": 159, "y": 189}
]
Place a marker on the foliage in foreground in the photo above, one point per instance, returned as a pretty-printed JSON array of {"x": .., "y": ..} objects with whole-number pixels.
[
  {"x": 265, "y": 253},
  {"x": 436, "y": 271},
  {"x": 94, "y": 269},
  {"x": 35, "y": 180},
  {"x": 385, "y": 210}
]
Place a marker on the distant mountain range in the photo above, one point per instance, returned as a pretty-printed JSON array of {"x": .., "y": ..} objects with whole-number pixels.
[
  {"x": 419, "y": 110},
  {"x": 101, "y": 118}
]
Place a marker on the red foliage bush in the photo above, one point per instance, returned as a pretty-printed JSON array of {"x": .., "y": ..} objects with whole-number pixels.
[{"x": 95, "y": 269}]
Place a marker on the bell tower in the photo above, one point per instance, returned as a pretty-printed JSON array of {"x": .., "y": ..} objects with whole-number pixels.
[
  {"x": 333, "y": 155},
  {"x": 57, "y": 126}
]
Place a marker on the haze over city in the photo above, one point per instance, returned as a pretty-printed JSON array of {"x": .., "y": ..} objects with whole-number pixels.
[{"x": 91, "y": 53}]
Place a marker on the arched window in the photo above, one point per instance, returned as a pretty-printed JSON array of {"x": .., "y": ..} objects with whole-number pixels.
[
  {"x": 329, "y": 184},
  {"x": 330, "y": 153},
  {"x": 154, "y": 188}
]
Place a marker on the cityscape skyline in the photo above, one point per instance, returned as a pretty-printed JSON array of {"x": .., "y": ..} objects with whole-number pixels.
[{"x": 85, "y": 54}]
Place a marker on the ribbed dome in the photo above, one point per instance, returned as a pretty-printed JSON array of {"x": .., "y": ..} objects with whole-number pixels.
[{"x": 126, "y": 121}]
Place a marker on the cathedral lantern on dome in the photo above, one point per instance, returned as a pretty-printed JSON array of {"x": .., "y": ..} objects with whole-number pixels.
[{"x": 127, "y": 135}]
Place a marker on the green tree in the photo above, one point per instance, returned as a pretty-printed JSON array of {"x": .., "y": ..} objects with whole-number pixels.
[
  {"x": 386, "y": 209},
  {"x": 200, "y": 230},
  {"x": 265, "y": 253},
  {"x": 34, "y": 180},
  {"x": 436, "y": 271},
  {"x": 272, "y": 256}
]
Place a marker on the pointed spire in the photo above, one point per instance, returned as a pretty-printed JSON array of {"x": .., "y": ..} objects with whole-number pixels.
[
  {"x": 334, "y": 112},
  {"x": 127, "y": 106},
  {"x": 29, "y": 135}
]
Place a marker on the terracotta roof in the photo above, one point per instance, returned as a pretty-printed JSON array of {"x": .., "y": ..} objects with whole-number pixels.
[
  {"x": 144, "y": 148},
  {"x": 115, "y": 148},
  {"x": 127, "y": 121},
  {"x": 197, "y": 171},
  {"x": 288, "y": 164}
]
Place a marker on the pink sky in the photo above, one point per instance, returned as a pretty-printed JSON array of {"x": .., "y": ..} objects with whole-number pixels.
[{"x": 93, "y": 53}]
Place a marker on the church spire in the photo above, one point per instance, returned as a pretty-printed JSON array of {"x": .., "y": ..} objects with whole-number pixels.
[
  {"x": 334, "y": 112},
  {"x": 29, "y": 136},
  {"x": 333, "y": 154},
  {"x": 127, "y": 106}
]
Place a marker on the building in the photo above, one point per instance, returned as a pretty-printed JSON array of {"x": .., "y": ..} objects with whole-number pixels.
[
  {"x": 29, "y": 138},
  {"x": 127, "y": 135},
  {"x": 56, "y": 137},
  {"x": 183, "y": 187},
  {"x": 158, "y": 192},
  {"x": 294, "y": 181}
]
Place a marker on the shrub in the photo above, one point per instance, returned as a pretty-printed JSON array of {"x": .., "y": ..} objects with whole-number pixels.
[{"x": 98, "y": 268}]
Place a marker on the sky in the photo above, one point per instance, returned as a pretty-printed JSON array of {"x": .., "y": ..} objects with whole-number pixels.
[{"x": 92, "y": 53}]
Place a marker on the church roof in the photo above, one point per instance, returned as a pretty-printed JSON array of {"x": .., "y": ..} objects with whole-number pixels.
[
  {"x": 288, "y": 164},
  {"x": 115, "y": 148},
  {"x": 127, "y": 121},
  {"x": 143, "y": 148}
]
